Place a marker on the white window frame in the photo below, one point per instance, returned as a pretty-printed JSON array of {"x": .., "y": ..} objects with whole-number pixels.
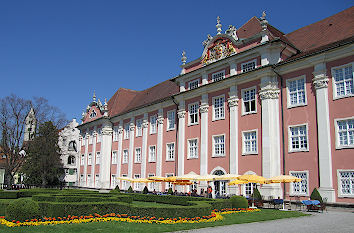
[
  {"x": 193, "y": 84},
  {"x": 97, "y": 180},
  {"x": 98, "y": 157},
  {"x": 334, "y": 85},
  {"x": 292, "y": 192},
  {"x": 113, "y": 181},
  {"x": 168, "y": 185},
  {"x": 114, "y": 157},
  {"x": 189, "y": 156},
  {"x": 115, "y": 133},
  {"x": 244, "y": 152},
  {"x": 153, "y": 124},
  {"x": 151, "y": 185},
  {"x": 124, "y": 182},
  {"x": 222, "y": 116},
  {"x": 89, "y": 180},
  {"x": 126, "y": 131},
  {"x": 170, "y": 114},
  {"x": 338, "y": 146},
  {"x": 84, "y": 141},
  {"x": 213, "y": 138},
  {"x": 82, "y": 160},
  {"x": 290, "y": 146},
  {"x": 152, "y": 160},
  {"x": 89, "y": 159},
  {"x": 253, "y": 185},
  {"x": 82, "y": 180},
  {"x": 168, "y": 151},
  {"x": 125, "y": 158},
  {"x": 137, "y": 185},
  {"x": 215, "y": 78},
  {"x": 243, "y": 101},
  {"x": 247, "y": 63},
  {"x": 99, "y": 135},
  {"x": 196, "y": 113},
  {"x": 139, "y": 127},
  {"x": 137, "y": 155},
  {"x": 340, "y": 194},
  {"x": 289, "y": 104},
  {"x": 91, "y": 138}
]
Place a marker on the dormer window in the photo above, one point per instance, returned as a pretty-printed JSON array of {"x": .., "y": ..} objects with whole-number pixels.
[
  {"x": 248, "y": 66},
  {"x": 71, "y": 160},
  {"x": 218, "y": 76},
  {"x": 93, "y": 114}
]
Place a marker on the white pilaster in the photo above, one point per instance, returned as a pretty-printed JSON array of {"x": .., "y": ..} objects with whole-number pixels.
[
  {"x": 204, "y": 106},
  {"x": 85, "y": 160},
  {"x": 320, "y": 82},
  {"x": 181, "y": 137},
  {"x": 233, "y": 109},
  {"x": 160, "y": 120},
  {"x": 182, "y": 87},
  {"x": 204, "y": 78},
  {"x": 269, "y": 95},
  {"x": 233, "y": 69},
  {"x": 120, "y": 143},
  {"x": 131, "y": 148},
  {"x": 106, "y": 150},
  {"x": 144, "y": 146},
  {"x": 93, "y": 158}
]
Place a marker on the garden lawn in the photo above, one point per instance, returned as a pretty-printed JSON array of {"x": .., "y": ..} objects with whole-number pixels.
[{"x": 237, "y": 218}]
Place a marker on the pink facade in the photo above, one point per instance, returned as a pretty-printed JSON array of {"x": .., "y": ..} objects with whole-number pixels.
[{"x": 269, "y": 104}]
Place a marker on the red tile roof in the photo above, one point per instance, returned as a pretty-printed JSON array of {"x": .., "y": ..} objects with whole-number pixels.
[{"x": 250, "y": 28}]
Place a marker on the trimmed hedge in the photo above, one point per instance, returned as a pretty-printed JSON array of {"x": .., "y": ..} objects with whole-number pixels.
[
  {"x": 239, "y": 202},
  {"x": 9, "y": 195},
  {"x": 22, "y": 209},
  {"x": 82, "y": 198}
]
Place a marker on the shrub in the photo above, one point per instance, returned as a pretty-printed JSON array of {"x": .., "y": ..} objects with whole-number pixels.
[
  {"x": 257, "y": 194},
  {"x": 9, "y": 195},
  {"x": 145, "y": 191},
  {"x": 117, "y": 188},
  {"x": 22, "y": 209},
  {"x": 130, "y": 189},
  {"x": 170, "y": 191},
  {"x": 239, "y": 202},
  {"x": 315, "y": 195}
]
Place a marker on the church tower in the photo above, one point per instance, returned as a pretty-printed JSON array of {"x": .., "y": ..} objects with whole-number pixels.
[{"x": 30, "y": 125}]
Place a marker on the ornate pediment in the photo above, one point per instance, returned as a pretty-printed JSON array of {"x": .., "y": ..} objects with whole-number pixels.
[{"x": 218, "y": 48}]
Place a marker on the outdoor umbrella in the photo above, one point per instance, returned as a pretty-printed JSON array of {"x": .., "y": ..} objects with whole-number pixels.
[
  {"x": 227, "y": 177},
  {"x": 253, "y": 179},
  {"x": 124, "y": 178},
  {"x": 283, "y": 179},
  {"x": 234, "y": 182},
  {"x": 189, "y": 176},
  {"x": 157, "y": 178},
  {"x": 141, "y": 180},
  {"x": 207, "y": 178}
]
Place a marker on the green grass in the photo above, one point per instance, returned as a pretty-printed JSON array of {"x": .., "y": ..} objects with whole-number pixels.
[{"x": 238, "y": 218}]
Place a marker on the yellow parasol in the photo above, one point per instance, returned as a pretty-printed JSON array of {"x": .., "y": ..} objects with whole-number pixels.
[
  {"x": 227, "y": 177},
  {"x": 141, "y": 180},
  {"x": 284, "y": 179},
  {"x": 157, "y": 178},
  {"x": 253, "y": 179},
  {"x": 125, "y": 178},
  {"x": 189, "y": 176},
  {"x": 235, "y": 182},
  {"x": 207, "y": 178}
]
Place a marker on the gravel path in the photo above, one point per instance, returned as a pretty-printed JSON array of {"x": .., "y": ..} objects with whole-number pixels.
[{"x": 333, "y": 221}]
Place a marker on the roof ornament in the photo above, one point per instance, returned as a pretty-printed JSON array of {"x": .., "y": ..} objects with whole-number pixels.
[
  {"x": 105, "y": 108},
  {"x": 209, "y": 38},
  {"x": 184, "y": 58},
  {"x": 218, "y": 25},
  {"x": 232, "y": 32},
  {"x": 264, "y": 24},
  {"x": 94, "y": 96},
  {"x": 83, "y": 116}
]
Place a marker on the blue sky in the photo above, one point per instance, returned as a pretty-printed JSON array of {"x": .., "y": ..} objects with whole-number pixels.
[{"x": 63, "y": 50}]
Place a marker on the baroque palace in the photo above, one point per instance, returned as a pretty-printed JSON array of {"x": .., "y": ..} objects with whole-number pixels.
[{"x": 257, "y": 101}]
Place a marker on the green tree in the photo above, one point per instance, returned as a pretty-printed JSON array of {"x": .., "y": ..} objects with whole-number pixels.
[{"x": 43, "y": 166}]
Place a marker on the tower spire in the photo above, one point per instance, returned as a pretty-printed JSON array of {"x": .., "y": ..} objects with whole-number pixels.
[
  {"x": 218, "y": 25},
  {"x": 94, "y": 96}
]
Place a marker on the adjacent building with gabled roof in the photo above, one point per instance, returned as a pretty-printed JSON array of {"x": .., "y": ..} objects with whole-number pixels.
[{"x": 257, "y": 101}]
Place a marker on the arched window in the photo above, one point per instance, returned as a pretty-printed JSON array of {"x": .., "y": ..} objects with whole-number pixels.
[
  {"x": 220, "y": 185},
  {"x": 71, "y": 160},
  {"x": 72, "y": 146},
  {"x": 93, "y": 114}
]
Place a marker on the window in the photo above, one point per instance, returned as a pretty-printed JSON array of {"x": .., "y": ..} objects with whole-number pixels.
[
  {"x": 89, "y": 180},
  {"x": 298, "y": 138},
  {"x": 82, "y": 160},
  {"x": 300, "y": 188},
  {"x": 218, "y": 108},
  {"x": 125, "y": 156},
  {"x": 138, "y": 155},
  {"x": 170, "y": 151},
  {"x": 248, "y": 66},
  {"x": 343, "y": 81},
  {"x": 66, "y": 170},
  {"x": 126, "y": 131},
  {"x": 89, "y": 159},
  {"x": 113, "y": 181},
  {"x": 151, "y": 185},
  {"x": 219, "y": 145},
  {"x": 169, "y": 184},
  {"x": 193, "y": 148},
  {"x": 136, "y": 184},
  {"x": 99, "y": 135},
  {"x": 171, "y": 115},
  {"x": 153, "y": 120},
  {"x": 218, "y": 76},
  {"x": 115, "y": 134},
  {"x": 71, "y": 160},
  {"x": 249, "y": 189},
  {"x": 296, "y": 92},
  {"x": 139, "y": 128},
  {"x": 193, "y": 113},
  {"x": 152, "y": 154},
  {"x": 82, "y": 182},
  {"x": 93, "y": 114},
  {"x": 250, "y": 142},
  {"x": 72, "y": 146},
  {"x": 346, "y": 183},
  {"x": 249, "y": 100},
  {"x": 84, "y": 140},
  {"x": 97, "y": 181},
  {"x": 114, "y": 157},
  {"x": 193, "y": 84},
  {"x": 90, "y": 138},
  {"x": 98, "y": 157},
  {"x": 124, "y": 182},
  {"x": 345, "y": 133}
]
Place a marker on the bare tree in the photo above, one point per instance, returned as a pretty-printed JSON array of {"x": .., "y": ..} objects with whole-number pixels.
[{"x": 13, "y": 112}]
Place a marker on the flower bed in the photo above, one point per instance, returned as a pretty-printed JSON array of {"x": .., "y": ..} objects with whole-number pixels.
[{"x": 216, "y": 215}]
